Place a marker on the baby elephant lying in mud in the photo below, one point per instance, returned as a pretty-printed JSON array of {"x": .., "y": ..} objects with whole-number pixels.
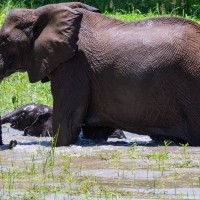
[
  {"x": 36, "y": 120},
  {"x": 33, "y": 119}
]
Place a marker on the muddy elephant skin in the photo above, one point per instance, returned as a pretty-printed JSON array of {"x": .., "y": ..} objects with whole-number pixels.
[{"x": 142, "y": 77}]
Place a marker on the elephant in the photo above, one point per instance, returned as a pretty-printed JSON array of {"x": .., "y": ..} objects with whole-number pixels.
[
  {"x": 106, "y": 74},
  {"x": 33, "y": 119},
  {"x": 36, "y": 120}
]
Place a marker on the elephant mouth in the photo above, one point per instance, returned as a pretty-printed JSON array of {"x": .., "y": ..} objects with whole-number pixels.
[{"x": 14, "y": 124}]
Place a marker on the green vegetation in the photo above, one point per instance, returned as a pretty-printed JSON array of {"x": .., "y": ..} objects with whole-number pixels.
[{"x": 181, "y": 7}]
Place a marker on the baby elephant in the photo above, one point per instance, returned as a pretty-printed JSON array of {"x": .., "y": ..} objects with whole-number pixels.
[
  {"x": 36, "y": 120},
  {"x": 33, "y": 119}
]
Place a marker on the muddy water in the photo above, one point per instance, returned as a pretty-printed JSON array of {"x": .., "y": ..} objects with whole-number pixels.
[{"x": 132, "y": 168}]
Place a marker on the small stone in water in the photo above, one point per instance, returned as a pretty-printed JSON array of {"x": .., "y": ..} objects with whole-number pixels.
[{"x": 12, "y": 144}]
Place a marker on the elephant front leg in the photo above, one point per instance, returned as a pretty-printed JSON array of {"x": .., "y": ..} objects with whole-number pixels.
[
  {"x": 70, "y": 90},
  {"x": 68, "y": 114},
  {"x": 66, "y": 126}
]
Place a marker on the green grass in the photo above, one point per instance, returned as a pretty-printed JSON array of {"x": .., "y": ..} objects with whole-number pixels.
[
  {"x": 138, "y": 16},
  {"x": 16, "y": 91}
]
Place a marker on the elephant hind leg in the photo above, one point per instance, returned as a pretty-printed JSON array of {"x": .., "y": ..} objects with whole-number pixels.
[
  {"x": 193, "y": 133},
  {"x": 97, "y": 132},
  {"x": 190, "y": 129},
  {"x": 162, "y": 138}
]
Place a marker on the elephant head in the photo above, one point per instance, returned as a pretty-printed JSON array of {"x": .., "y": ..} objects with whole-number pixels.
[
  {"x": 26, "y": 115},
  {"x": 39, "y": 40}
]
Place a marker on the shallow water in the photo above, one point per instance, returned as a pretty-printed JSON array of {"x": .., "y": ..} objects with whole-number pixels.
[
  {"x": 132, "y": 168},
  {"x": 185, "y": 193},
  {"x": 117, "y": 173}
]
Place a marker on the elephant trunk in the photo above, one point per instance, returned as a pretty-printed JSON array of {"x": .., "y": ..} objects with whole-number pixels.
[
  {"x": 5, "y": 119},
  {"x": 8, "y": 117}
]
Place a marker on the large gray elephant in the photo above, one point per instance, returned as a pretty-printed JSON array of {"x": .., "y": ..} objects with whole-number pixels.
[{"x": 141, "y": 77}]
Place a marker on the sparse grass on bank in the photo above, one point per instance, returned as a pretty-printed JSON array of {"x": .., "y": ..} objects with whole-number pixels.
[{"x": 100, "y": 173}]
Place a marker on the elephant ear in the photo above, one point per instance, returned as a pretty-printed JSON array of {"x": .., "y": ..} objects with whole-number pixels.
[
  {"x": 75, "y": 5},
  {"x": 41, "y": 118},
  {"x": 55, "y": 34}
]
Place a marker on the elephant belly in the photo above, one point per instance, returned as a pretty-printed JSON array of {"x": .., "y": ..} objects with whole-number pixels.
[{"x": 132, "y": 108}]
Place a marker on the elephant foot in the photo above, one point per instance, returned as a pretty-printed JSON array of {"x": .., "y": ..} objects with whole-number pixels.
[
  {"x": 63, "y": 136},
  {"x": 61, "y": 141},
  {"x": 161, "y": 138}
]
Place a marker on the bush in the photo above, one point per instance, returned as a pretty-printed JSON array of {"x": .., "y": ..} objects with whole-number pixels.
[{"x": 178, "y": 7}]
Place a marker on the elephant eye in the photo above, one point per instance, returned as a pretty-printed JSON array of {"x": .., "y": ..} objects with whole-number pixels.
[{"x": 23, "y": 114}]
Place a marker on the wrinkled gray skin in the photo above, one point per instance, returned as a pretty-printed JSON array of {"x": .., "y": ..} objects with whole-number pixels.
[
  {"x": 33, "y": 119},
  {"x": 141, "y": 77},
  {"x": 36, "y": 120}
]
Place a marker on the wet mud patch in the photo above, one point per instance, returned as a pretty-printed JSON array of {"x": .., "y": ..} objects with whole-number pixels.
[{"x": 132, "y": 168}]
